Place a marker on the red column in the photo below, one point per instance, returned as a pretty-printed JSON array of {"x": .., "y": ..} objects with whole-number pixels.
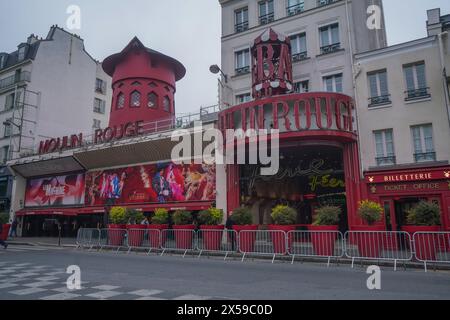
[
  {"x": 352, "y": 181},
  {"x": 233, "y": 188}
]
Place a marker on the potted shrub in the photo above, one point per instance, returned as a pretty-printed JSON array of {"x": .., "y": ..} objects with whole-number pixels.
[
  {"x": 135, "y": 228},
  {"x": 324, "y": 230},
  {"x": 183, "y": 229},
  {"x": 159, "y": 221},
  {"x": 210, "y": 225},
  {"x": 242, "y": 221},
  {"x": 284, "y": 219},
  {"x": 425, "y": 217},
  {"x": 116, "y": 232},
  {"x": 369, "y": 243},
  {"x": 4, "y": 219}
]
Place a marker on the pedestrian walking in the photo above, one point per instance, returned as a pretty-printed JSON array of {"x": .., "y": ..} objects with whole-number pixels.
[{"x": 3, "y": 243}]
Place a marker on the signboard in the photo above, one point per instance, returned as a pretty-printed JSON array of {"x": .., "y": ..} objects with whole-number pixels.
[
  {"x": 156, "y": 183},
  {"x": 410, "y": 187},
  {"x": 425, "y": 175},
  {"x": 55, "y": 191}
]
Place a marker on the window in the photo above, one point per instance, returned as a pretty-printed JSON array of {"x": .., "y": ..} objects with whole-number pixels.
[
  {"x": 2, "y": 61},
  {"x": 422, "y": 136},
  {"x": 243, "y": 98},
  {"x": 97, "y": 124},
  {"x": 241, "y": 20},
  {"x": 242, "y": 61},
  {"x": 333, "y": 83},
  {"x": 298, "y": 45},
  {"x": 416, "y": 84},
  {"x": 4, "y": 157},
  {"x": 329, "y": 39},
  {"x": 384, "y": 147},
  {"x": 100, "y": 86},
  {"x": 99, "y": 106},
  {"x": 135, "y": 99},
  {"x": 166, "y": 104},
  {"x": 21, "y": 53},
  {"x": 301, "y": 86},
  {"x": 378, "y": 86},
  {"x": 8, "y": 128},
  {"x": 9, "y": 101},
  {"x": 152, "y": 100},
  {"x": 295, "y": 6},
  {"x": 266, "y": 13},
  {"x": 120, "y": 100}
]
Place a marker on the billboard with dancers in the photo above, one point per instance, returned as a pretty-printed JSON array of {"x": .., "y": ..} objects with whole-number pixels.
[{"x": 156, "y": 183}]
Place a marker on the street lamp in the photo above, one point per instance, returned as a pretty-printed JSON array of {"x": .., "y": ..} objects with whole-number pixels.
[{"x": 216, "y": 69}]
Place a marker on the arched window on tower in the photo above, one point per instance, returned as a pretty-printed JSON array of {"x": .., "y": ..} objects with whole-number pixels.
[
  {"x": 166, "y": 104},
  {"x": 135, "y": 100},
  {"x": 120, "y": 100},
  {"x": 152, "y": 100}
]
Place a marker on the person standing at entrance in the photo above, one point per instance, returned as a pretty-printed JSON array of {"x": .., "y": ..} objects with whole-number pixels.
[
  {"x": 3, "y": 243},
  {"x": 13, "y": 232}
]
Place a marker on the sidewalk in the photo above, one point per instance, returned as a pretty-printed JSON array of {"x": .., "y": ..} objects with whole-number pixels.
[{"x": 65, "y": 242}]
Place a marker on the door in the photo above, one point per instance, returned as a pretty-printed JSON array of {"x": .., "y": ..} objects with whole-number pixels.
[{"x": 389, "y": 215}]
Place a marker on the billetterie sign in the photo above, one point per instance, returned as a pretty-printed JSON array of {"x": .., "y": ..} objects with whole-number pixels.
[{"x": 126, "y": 130}]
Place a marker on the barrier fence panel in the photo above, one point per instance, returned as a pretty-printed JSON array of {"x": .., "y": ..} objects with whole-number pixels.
[
  {"x": 178, "y": 240},
  {"x": 432, "y": 247},
  {"x": 223, "y": 241},
  {"x": 320, "y": 244},
  {"x": 148, "y": 239},
  {"x": 378, "y": 245},
  {"x": 262, "y": 242},
  {"x": 113, "y": 238},
  {"x": 88, "y": 238}
]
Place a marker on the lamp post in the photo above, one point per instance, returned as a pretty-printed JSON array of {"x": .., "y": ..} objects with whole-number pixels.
[{"x": 215, "y": 69}]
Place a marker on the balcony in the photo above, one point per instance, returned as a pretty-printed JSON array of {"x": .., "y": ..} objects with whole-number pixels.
[
  {"x": 380, "y": 101},
  {"x": 295, "y": 9},
  {"x": 243, "y": 70},
  {"x": 425, "y": 157},
  {"x": 417, "y": 94},
  {"x": 386, "y": 161},
  {"x": 330, "y": 48},
  {"x": 24, "y": 76},
  {"x": 268, "y": 18},
  {"x": 240, "y": 27},
  {"x": 321, "y": 3},
  {"x": 300, "y": 56}
]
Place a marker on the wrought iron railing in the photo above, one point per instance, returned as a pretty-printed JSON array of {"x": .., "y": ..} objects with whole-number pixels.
[
  {"x": 300, "y": 56},
  {"x": 330, "y": 48},
  {"x": 425, "y": 156},
  {"x": 419, "y": 93},
  {"x": 24, "y": 76},
  {"x": 380, "y": 100},
  {"x": 386, "y": 161},
  {"x": 295, "y": 9},
  {"x": 240, "y": 27},
  {"x": 242, "y": 70},
  {"x": 268, "y": 18}
]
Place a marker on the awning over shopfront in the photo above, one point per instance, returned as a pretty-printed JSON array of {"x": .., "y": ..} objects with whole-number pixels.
[
  {"x": 189, "y": 206},
  {"x": 48, "y": 167},
  {"x": 48, "y": 212}
]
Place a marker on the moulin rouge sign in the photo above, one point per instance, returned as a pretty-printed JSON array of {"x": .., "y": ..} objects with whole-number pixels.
[{"x": 127, "y": 130}]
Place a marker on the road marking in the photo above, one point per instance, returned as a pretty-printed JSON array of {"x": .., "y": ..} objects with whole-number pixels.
[
  {"x": 61, "y": 296},
  {"x": 28, "y": 291},
  {"x": 7, "y": 285},
  {"x": 145, "y": 293},
  {"x": 104, "y": 294},
  {"x": 191, "y": 297},
  {"x": 39, "y": 284},
  {"x": 106, "y": 287}
]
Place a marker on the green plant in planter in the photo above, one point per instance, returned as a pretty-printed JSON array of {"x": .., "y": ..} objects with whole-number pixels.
[
  {"x": 284, "y": 215},
  {"x": 211, "y": 217},
  {"x": 161, "y": 216},
  {"x": 370, "y": 211},
  {"x": 118, "y": 215},
  {"x": 328, "y": 216},
  {"x": 134, "y": 216},
  {"x": 4, "y": 218},
  {"x": 425, "y": 214},
  {"x": 242, "y": 216},
  {"x": 181, "y": 218}
]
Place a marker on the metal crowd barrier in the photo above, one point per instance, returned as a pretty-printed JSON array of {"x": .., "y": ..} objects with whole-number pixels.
[
  {"x": 432, "y": 247},
  {"x": 178, "y": 240},
  {"x": 378, "y": 245},
  {"x": 262, "y": 242},
  {"x": 148, "y": 239},
  {"x": 315, "y": 244},
  {"x": 218, "y": 241},
  {"x": 88, "y": 238},
  {"x": 113, "y": 238}
]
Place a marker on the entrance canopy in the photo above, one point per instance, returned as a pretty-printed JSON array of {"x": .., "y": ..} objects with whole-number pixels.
[{"x": 47, "y": 212}]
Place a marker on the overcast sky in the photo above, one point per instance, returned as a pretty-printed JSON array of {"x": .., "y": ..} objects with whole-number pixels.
[{"x": 188, "y": 30}]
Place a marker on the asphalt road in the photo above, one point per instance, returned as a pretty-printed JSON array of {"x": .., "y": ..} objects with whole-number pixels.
[{"x": 39, "y": 273}]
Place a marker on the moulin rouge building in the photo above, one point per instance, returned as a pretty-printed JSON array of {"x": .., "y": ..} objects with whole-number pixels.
[{"x": 77, "y": 179}]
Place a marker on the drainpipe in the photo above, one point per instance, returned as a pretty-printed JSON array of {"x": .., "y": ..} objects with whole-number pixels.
[{"x": 444, "y": 72}]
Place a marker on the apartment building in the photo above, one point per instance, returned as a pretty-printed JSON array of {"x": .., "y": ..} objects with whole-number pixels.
[
  {"x": 324, "y": 36},
  {"x": 49, "y": 87},
  {"x": 404, "y": 119}
]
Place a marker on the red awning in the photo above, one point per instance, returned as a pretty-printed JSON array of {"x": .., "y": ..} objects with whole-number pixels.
[
  {"x": 91, "y": 210},
  {"x": 47, "y": 212}
]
